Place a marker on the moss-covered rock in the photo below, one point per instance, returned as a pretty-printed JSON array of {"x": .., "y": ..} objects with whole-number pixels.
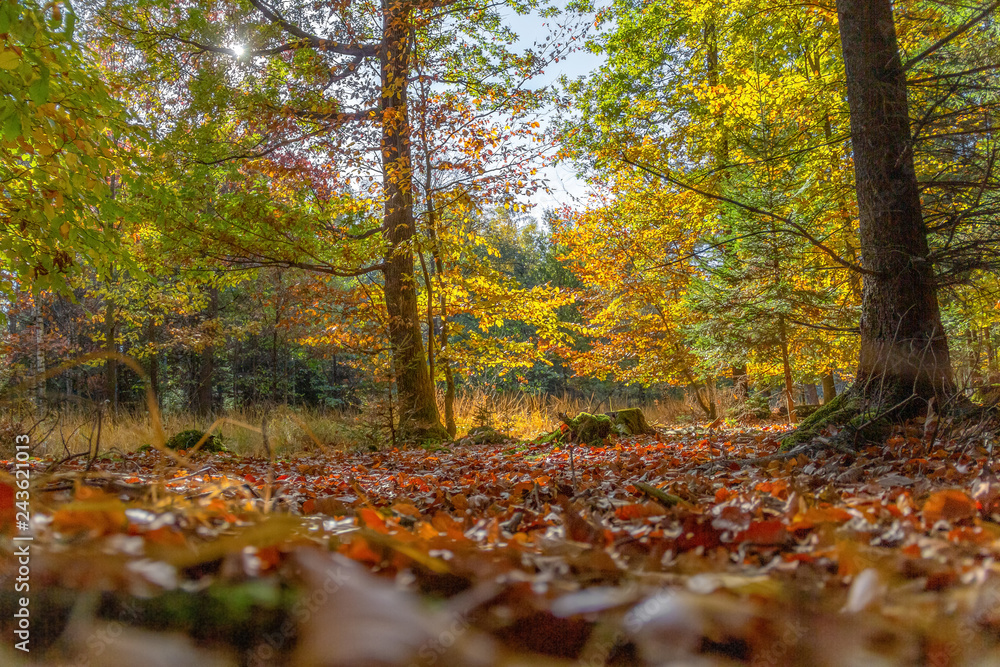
[
  {"x": 630, "y": 421},
  {"x": 188, "y": 439},
  {"x": 590, "y": 429},
  {"x": 485, "y": 435}
]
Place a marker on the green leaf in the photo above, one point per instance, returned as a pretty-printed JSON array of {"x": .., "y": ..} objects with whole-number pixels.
[
  {"x": 9, "y": 59},
  {"x": 12, "y": 127},
  {"x": 39, "y": 91}
]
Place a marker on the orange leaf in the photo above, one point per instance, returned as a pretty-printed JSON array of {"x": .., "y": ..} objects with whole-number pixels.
[
  {"x": 372, "y": 519},
  {"x": 639, "y": 510},
  {"x": 818, "y": 515},
  {"x": 948, "y": 505}
]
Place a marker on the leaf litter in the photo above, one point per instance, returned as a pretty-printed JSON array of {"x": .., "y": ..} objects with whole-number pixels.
[{"x": 679, "y": 548}]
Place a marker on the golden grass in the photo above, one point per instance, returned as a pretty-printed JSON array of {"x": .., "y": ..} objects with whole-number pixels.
[
  {"x": 519, "y": 415},
  {"x": 524, "y": 416},
  {"x": 289, "y": 430}
]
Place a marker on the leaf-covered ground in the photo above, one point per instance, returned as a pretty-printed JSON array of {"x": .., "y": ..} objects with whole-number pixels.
[{"x": 514, "y": 554}]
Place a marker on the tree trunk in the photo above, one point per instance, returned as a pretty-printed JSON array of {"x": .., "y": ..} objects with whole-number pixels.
[
  {"x": 449, "y": 378},
  {"x": 903, "y": 345},
  {"x": 991, "y": 364},
  {"x": 829, "y": 388},
  {"x": 206, "y": 369},
  {"x": 154, "y": 360},
  {"x": 787, "y": 367},
  {"x": 738, "y": 372},
  {"x": 111, "y": 365},
  {"x": 39, "y": 357},
  {"x": 741, "y": 383},
  {"x": 418, "y": 409}
]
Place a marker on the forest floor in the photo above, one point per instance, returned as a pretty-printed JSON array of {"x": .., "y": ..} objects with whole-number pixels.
[{"x": 514, "y": 554}]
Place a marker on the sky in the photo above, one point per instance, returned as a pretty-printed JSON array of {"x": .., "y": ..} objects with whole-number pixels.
[{"x": 565, "y": 187}]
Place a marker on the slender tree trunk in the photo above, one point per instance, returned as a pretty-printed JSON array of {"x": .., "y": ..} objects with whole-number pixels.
[
  {"x": 811, "y": 394},
  {"x": 903, "y": 345},
  {"x": 702, "y": 394},
  {"x": 738, "y": 372},
  {"x": 206, "y": 369},
  {"x": 829, "y": 387},
  {"x": 111, "y": 346},
  {"x": 787, "y": 368},
  {"x": 154, "y": 360},
  {"x": 975, "y": 376},
  {"x": 418, "y": 409},
  {"x": 39, "y": 323},
  {"x": 430, "y": 316},
  {"x": 991, "y": 363},
  {"x": 449, "y": 378}
]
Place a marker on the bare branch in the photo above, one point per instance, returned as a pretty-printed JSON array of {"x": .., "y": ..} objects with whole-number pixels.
[{"x": 318, "y": 43}]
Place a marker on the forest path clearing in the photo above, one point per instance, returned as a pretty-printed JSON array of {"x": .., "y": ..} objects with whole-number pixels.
[{"x": 508, "y": 554}]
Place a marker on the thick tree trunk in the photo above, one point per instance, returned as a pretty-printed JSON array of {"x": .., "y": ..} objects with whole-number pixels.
[
  {"x": 418, "y": 409},
  {"x": 903, "y": 345}
]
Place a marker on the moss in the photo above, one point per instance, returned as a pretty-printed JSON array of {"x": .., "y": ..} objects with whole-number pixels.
[
  {"x": 841, "y": 410},
  {"x": 485, "y": 435},
  {"x": 590, "y": 429},
  {"x": 423, "y": 435},
  {"x": 188, "y": 439},
  {"x": 806, "y": 410},
  {"x": 857, "y": 415},
  {"x": 630, "y": 421}
]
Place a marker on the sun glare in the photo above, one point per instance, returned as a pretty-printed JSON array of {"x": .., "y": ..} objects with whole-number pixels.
[{"x": 238, "y": 50}]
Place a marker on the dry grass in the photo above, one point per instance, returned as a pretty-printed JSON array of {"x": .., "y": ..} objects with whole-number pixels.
[
  {"x": 524, "y": 416},
  {"x": 288, "y": 430},
  {"x": 519, "y": 415}
]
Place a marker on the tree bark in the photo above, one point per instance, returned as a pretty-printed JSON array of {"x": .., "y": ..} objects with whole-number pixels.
[
  {"x": 738, "y": 371},
  {"x": 903, "y": 345},
  {"x": 418, "y": 409},
  {"x": 111, "y": 346},
  {"x": 154, "y": 360},
  {"x": 206, "y": 369},
  {"x": 787, "y": 368},
  {"x": 39, "y": 322},
  {"x": 829, "y": 388},
  {"x": 449, "y": 378}
]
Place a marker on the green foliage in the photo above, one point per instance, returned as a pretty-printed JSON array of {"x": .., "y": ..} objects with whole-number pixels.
[
  {"x": 188, "y": 439},
  {"x": 59, "y": 161}
]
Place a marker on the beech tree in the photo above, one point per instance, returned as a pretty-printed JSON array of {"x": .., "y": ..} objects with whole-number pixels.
[
  {"x": 323, "y": 89},
  {"x": 904, "y": 349}
]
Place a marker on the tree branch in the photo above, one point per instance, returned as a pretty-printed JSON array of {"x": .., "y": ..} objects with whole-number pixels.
[
  {"x": 960, "y": 30},
  {"x": 753, "y": 209},
  {"x": 360, "y": 50}
]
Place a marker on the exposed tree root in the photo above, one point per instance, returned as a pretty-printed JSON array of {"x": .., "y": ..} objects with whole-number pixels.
[{"x": 858, "y": 415}]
